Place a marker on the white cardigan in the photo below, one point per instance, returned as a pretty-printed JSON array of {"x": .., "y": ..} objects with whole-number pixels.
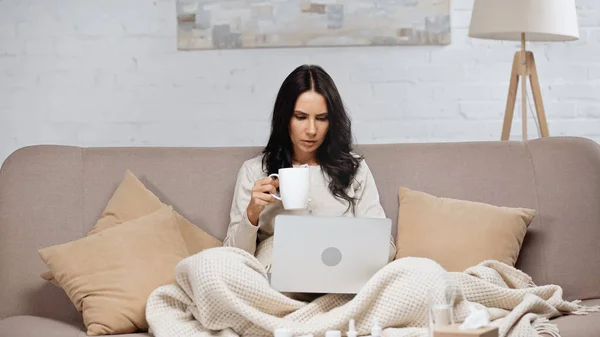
[{"x": 242, "y": 234}]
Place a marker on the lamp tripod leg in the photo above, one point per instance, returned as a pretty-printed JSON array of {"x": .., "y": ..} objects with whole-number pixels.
[
  {"x": 537, "y": 96},
  {"x": 512, "y": 97}
]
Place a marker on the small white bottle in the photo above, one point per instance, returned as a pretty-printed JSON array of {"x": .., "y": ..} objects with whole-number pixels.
[
  {"x": 376, "y": 330},
  {"x": 351, "y": 329}
]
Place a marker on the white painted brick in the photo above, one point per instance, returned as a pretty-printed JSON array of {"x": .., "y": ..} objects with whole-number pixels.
[
  {"x": 551, "y": 73},
  {"x": 577, "y": 127},
  {"x": 380, "y": 72},
  {"x": 176, "y": 133},
  {"x": 435, "y": 73},
  {"x": 91, "y": 107},
  {"x": 10, "y": 47},
  {"x": 18, "y": 80},
  {"x": 385, "y": 56},
  {"x": 29, "y": 107},
  {"x": 495, "y": 110},
  {"x": 143, "y": 46},
  {"x": 434, "y": 110},
  {"x": 482, "y": 54},
  {"x": 590, "y": 110},
  {"x": 66, "y": 79},
  {"x": 588, "y": 18},
  {"x": 594, "y": 73},
  {"x": 55, "y": 133},
  {"x": 87, "y": 47},
  {"x": 595, "y": 35},
  {"x": 191, "y": 107},
  {"x": 558, "y": 109},
  {"x": 385, "y": 131},
  {"x": 68, "y": 47},
  {"x": 401, "y": 91},
  {"x": 376, "y": 110},
  {"x": 482, "y": 109},
  {"x": 149, "y": 28},
  {"x": 176, "y": 65},
  {"x": 134, "y": 79},
  {"x": 43, "y": 27},
  {"x": 585, "y": 5},
  {"x": 586, "y": 53},
  {"x": 154, "y": 11},
  {"x": 39, "y": 47},
  {"x": 489, "y": 72},
  {"x": 465, "y": 130},
  {"x": 104, "y": 79},
  {"x": 157, "y": 25},
  {"x": 98, "y": 26},
  {"x": 87, "y": 134},
  {"x": 7, "y": 29},
  {"x": 470, "y": 92},
  {"x": 576, "y": 91},
  {"x": 37, "y": 64},
  {"x": 10, "y": 64}
]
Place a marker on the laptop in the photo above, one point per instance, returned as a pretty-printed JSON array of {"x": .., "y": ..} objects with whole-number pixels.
[{"x": 320, "y": 254}]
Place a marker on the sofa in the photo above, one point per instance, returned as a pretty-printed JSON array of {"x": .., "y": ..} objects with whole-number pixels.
[{"x": 52, "y": 194}]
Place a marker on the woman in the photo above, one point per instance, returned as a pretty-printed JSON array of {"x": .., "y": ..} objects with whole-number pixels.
[
  {"x": 227, "y": 288},
  {"x": 309, "y": 127}
]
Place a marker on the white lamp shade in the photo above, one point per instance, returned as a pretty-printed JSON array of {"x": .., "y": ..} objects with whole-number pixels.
[{"x": 540, "y": 20}]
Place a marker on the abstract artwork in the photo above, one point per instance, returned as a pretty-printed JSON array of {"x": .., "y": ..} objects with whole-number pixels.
[{"x": 228, "y": 24}]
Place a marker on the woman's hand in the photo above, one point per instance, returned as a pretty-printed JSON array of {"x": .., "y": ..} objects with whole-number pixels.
[{"x": 261, "y": 196}]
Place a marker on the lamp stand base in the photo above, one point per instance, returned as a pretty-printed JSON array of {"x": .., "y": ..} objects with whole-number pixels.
[{"x": 523, "y": 68}]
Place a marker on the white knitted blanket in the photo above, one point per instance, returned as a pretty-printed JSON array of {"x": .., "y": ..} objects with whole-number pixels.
[{"x": 225, "y": 292}]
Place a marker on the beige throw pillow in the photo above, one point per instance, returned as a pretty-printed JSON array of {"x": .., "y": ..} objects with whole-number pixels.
[
  {"x": 109, "y": 276},
  {"x": 132, "y": 200},
  {"x": 459, "y": 234}
]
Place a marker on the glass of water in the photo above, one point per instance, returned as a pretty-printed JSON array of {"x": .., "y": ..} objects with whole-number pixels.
[{"x": 441, "y": 302}]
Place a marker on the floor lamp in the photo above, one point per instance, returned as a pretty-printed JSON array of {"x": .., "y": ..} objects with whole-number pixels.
[{"x": 524, "y": 20}]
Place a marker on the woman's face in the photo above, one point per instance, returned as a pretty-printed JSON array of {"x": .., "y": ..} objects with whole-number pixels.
[{"x": 309, "y": 124}]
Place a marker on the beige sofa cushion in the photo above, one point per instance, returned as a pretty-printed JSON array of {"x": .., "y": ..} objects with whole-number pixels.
[
  {"x": 109, "y": 276},
  {"x": 457, "y": 233},
  {"x": 132, "y": 200}
]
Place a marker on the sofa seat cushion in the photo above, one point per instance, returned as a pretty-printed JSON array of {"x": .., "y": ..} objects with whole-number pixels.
[
  {"x": 32, "y": 326},
  {"x": 579, "y": 326}
]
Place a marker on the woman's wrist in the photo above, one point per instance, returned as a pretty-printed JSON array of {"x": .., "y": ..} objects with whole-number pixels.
[{"x": 252, "y": 217}]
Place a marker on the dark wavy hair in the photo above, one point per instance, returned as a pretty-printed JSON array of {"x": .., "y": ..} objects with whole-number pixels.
[{"x": 334, "y": 155}]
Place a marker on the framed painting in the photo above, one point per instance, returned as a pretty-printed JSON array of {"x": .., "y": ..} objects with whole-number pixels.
[{"x": 226, "y": 24}]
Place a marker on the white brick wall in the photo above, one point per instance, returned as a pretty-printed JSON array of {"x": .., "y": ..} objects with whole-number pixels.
[{"x": 106, "y": 73}]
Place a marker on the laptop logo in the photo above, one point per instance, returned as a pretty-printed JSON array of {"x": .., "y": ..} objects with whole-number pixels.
[{"x": 331, "y": 256}]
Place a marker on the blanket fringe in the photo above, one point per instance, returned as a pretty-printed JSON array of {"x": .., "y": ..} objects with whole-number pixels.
[
  {"x": 584, "y": 309},
  {"x": 543, "y": 326}
]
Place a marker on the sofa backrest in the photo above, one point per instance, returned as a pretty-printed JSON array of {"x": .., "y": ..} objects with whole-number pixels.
[{"x": 54, "y": 194}]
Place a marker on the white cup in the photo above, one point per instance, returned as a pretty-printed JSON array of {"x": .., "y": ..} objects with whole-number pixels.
[{"x": 293, "y": 186}]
